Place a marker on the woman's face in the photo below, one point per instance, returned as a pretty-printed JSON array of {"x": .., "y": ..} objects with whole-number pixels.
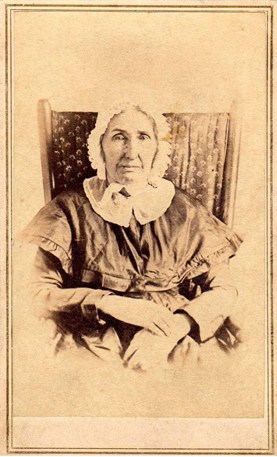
[{"x": 129, "y": 146}]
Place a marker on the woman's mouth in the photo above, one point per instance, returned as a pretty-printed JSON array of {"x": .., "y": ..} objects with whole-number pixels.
[{"x": 130, "y": 167}]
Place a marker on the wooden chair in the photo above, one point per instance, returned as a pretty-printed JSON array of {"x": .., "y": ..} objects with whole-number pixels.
[{"x": 204, "y": 159}]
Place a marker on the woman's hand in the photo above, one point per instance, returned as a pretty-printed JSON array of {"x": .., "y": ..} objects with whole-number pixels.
[
  {"x": 140, "y": 312},
  {"x": 147, "y": 351}
]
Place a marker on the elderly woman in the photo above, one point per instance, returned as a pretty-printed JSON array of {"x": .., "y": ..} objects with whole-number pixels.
[{"x": 129, "y": 267}]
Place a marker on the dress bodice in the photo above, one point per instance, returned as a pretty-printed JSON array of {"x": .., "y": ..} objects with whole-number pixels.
[{"x": 158, "y": 256}]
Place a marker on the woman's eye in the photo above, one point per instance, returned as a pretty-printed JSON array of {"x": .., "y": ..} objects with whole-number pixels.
[
  {"x": 119, "y": 137},
  {"x": 144, "y": 136}
]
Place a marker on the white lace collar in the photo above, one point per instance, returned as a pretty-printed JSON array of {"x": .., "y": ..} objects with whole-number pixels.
[{"x": 115, "y": 205}]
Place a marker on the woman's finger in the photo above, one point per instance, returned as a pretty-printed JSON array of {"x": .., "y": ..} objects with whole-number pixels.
[
  {"x": 165, "y": 320},
  {"x": 138, "y": 361},
  {"x": 163, "y": 326},
  {"x": 155, "y": 329},
  {"x": 168, "y": 319},
  {"x": 138, "y": 367},
  {"x": 129, "y": 353},
  {"x": 133, "y": 362},
  {"x": 142, "y": 364}
]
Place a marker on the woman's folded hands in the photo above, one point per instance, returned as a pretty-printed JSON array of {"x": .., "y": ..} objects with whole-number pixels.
[
  {"x": 147, "y": 350},
  {"x": 161, "y": 329},
  {"x": 139, "y": 312}
]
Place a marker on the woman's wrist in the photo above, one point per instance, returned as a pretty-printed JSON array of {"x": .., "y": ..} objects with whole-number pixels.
[
  {"x": 183, "y": 324},
  {"x": 106, "y": 302}
]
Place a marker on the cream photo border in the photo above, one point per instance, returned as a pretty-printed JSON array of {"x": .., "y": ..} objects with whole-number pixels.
[{"x": 48, "y": 435}]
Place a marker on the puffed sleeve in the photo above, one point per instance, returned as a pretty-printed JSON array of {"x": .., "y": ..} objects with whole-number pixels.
[
  {"x": 50, "y": 296},
  {"x": 51, "y": 231},
  {"x": 209, "y": 242}
]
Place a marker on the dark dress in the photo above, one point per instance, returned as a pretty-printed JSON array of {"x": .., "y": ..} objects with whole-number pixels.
[{"x": 179, "y": 260}]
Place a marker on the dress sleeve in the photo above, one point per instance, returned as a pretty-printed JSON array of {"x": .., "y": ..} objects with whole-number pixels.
[
  {"x": 50, "y": 296},
  {"x": 210, "y": 309},
  {"x": 51, "y": 230},
  {"x": 204, "y": 241}
]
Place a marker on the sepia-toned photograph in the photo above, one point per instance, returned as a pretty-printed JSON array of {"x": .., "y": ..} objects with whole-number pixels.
[{"x": 138, "y": 161}]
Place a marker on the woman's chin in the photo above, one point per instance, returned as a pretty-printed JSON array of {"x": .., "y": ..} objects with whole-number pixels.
[{"x": 134, "y": 178}]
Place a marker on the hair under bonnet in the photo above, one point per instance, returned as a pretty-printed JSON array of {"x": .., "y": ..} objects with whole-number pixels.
[{"x": 161, "y": 159}]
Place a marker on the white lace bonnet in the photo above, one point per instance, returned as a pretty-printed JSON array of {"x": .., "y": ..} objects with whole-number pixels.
[{"x": 161, "y": 128}]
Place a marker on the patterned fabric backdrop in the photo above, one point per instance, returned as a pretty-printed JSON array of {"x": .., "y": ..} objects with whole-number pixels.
[
  {"x": 199, "y": 144},
  {"x": 69, "y": 161}
]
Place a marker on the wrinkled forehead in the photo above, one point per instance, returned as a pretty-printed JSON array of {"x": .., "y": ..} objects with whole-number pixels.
[{"x": 132, "y": 121}]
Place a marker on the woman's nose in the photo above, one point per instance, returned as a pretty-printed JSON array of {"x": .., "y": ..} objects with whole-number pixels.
[{"x": 131, "y": 150}]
